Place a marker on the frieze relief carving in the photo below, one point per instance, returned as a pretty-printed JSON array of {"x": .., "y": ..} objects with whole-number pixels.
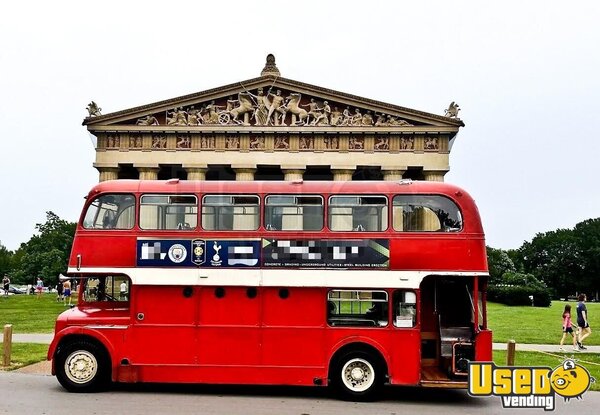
[
  {"x": 432, "y": 143},
  {"x": 282, "y": 143},
  {"x": 332, "y": 143},
  {"x": 183, "y": 141},
  {"x": 257, "y": 143},
  {"x": 159, "y": 141},
  {"x": 356, "y": 143},
  {"x": 113, "y": 140},
  {"x": 135, "y": 141},
  {"x": 307, "y": 143},
  {"x": 382, "y": 144},
  {"x": 407, "y": 143},
  {"x": 232, "y": 142},
  {"x": 262, "y": 107},
  {"x": 208, "y": 142}
]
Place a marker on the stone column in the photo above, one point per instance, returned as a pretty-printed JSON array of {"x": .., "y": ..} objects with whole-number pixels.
[
  {"x": 434, "y": 175},
  {"x": 147, "y": 172},
  {"x": 244, "y": 173},
  {"x": 108, "y": 173},
  {"x": 293, "y": 174},
  {"x": 196, "y": 172},
  {"x": 392, "y": 174},
  {"x": 340, "y": 175},
  {"x": 430, "y": 221}
]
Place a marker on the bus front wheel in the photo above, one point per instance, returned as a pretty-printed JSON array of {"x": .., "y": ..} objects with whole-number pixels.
[
  {"x": 82, "y": 366},
  {"x": 357, "y": 376}
]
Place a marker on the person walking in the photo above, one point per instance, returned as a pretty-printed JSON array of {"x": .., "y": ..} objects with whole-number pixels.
[
  {"x": 59, "y": 291},
  {"x": 568, "y": 329},
  {"x": 67, "y": 292},
  {"x": 39, "y": 287},
  {"x": 582, "y": 321},
  {"x": 6, "y": 284}
]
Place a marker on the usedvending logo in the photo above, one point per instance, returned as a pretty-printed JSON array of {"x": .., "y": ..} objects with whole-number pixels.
[{"x": 529, "y": 387}]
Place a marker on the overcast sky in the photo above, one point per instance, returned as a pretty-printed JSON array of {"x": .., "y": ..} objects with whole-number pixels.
[{"x": 526, "y": 75}]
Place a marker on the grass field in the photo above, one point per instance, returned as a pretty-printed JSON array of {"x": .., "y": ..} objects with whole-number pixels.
[
  {"x": 28, "y": 314},
  {"x": 24, "y": 354},
  {"x": 538, "y": 325}
]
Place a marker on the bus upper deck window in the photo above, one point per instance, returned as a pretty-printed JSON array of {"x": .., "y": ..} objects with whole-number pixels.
[
  {"x": 294, "y": 213},
  {"x": 230, "y": 212},
  {"x": 110, "y": 211},
  {"x": 426, "y": 213},
  {"x": 169, "y": 212},
  {"x": 358, "y": 213}
]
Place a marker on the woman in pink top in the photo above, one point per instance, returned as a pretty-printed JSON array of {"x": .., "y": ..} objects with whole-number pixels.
[{"x": 568, "y": 328}]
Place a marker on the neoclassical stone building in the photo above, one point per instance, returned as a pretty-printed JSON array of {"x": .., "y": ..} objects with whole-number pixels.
[{"x": 272, "y": 128}]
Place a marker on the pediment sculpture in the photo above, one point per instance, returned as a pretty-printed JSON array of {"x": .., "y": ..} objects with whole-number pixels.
[
  {"x": 93, "y": 109},
  {"x": 452, "y": 110},
  {"x": 270, "y": 108}
]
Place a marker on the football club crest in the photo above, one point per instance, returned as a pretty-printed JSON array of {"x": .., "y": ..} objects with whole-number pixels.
[
  {"x": 198, "y": 251},
  {"x": 177, "y": 253},
  {"x": 216, "y": 259}
]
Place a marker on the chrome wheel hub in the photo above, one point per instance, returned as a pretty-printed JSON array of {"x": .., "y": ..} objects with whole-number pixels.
[
  {"x": 81, "y": 366},
  {"x": 358, "y": 375}
]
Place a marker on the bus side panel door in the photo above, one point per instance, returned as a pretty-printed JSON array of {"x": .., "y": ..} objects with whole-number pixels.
[
  {"x": 293, "y": 330},
  {"x": 405, "y": 366},
  {"x": 405, "y": 356},
  {"x": 163, "y": 328},
  {"x": 228, "y": 331}
]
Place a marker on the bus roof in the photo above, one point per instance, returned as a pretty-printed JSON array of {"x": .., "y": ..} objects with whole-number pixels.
[{"x": 280, "y": 187}]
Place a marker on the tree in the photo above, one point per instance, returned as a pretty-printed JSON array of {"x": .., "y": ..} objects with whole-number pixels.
[
  {"x": 6, "y": 258},
  {"x": 587, "y": 234},
  {"x": 555, "y": 258},
  {"x": 45, "y": 255},
  {"x": 568, "y": 260},
  {"x": 498, "y": 264},
  {"x": 516, "y": 258}
]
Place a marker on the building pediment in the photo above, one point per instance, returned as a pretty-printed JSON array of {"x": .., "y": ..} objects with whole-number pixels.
[
  {"x": 272, "y": 128},
  {"x": 271, "y": 102}
]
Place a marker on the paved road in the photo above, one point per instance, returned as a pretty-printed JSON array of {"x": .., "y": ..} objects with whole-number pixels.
[
  {"x": 41, "y": 394},
  {"x": 34, "y": 391}
]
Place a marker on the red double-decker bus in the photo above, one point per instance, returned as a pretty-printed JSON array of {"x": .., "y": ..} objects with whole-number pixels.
[{"x": 348, "y": 284}]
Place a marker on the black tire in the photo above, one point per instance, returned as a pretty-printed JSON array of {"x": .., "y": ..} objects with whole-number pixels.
[
  {"x": 82, "y": 366},
  {"x": 357, "y": 376}
]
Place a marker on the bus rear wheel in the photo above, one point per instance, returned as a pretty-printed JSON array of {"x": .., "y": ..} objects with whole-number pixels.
[
  {"x": 82, "y": 366},
  {"x": 358, "y": 376}
]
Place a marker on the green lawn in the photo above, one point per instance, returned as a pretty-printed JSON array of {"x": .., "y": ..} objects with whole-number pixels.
[
  {"x": 588, "y": 360},
  {"x": 538, "y": 325},
  {"x": 24, "y": 354},
  {"x": 28, "y": 314}
]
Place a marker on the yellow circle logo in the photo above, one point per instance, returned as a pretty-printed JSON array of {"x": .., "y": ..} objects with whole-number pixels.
[{"x": 570, "y": 380}]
